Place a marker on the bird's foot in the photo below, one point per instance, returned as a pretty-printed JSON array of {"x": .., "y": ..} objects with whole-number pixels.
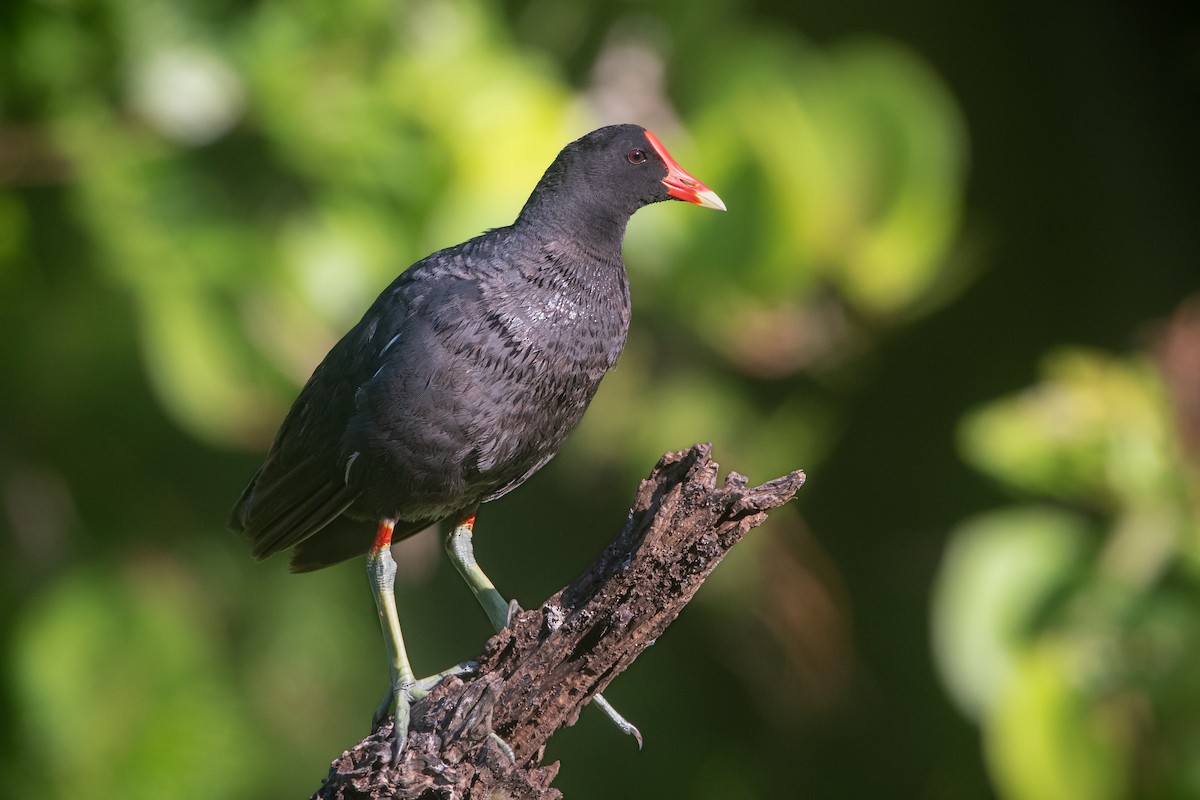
[
  {"x": 402, "y": 694},
  {"x": 385, "y": 707},
  {"x": 399, "y": 695},
  {"x": 514, "y": 608},
  {"x": 625, "y": 725}
]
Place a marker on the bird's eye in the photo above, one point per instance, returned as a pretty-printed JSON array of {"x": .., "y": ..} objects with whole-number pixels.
[{"x": 637, "y": 155}]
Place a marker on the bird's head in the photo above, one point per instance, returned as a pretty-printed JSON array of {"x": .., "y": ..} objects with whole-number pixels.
[{"x": 618, "y": 168}]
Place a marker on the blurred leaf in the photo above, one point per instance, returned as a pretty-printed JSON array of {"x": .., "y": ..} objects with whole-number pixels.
[
  {"x": 1046, "y": 741},
  {"x": 997, "y": 575},
  {"x": 843, "y": 166},
  {"x": 1094, "y": 428},
  {"x": 1073, "y": 700}
]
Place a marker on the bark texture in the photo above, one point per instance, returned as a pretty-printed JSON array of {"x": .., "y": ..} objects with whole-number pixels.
[{"x": 536, "y": 675}]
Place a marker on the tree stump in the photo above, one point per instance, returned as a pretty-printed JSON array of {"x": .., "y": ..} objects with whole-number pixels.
[{"x": 536, "y": 675}]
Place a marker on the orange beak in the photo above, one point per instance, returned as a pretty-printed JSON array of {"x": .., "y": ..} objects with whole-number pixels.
[{"x": 680, "y": 184}]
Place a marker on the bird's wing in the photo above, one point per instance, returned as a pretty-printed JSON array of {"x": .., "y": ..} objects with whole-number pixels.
[
  {"x": 301, "y": 486},
  {"x": 311, "y": 477},
  {"x": 290, "y": 507}
]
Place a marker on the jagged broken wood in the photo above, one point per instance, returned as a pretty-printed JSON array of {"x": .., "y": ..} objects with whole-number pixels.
[{"x": 536, "y": 675}]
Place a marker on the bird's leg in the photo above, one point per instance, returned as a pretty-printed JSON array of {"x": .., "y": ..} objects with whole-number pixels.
[
  {"x": 403, "y": 688},
  {"x": 462, "y": 553},
  {"x": 381, "y": 568}
]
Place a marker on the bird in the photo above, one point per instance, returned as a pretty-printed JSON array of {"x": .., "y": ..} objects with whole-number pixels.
[{"x": 461, "y": 380}]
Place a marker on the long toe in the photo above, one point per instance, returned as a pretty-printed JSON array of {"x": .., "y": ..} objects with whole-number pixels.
[
  {"x": 385, "y": 707},
  {"x": 514, "y": 608},
  {"x": 424, "y": 686},
  {"x": 626, "y": 727},
  {"x": 400, "y": 726}
]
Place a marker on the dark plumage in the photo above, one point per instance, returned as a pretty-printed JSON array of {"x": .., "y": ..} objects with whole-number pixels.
[
  {"x": 468, "y": 372},
  {"x": 462, "y": 379}
]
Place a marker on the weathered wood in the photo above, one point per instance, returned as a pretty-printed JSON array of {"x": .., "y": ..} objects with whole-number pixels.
[{"x": 535, "y": 676}]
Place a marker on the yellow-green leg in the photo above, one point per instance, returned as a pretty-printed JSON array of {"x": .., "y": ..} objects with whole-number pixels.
[
  {"x": 403, "y": 688},
  {"x": 462, "y": 553}
]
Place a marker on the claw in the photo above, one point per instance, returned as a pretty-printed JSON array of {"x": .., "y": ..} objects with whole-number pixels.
[
  {"x": 400, "y": 725},
  {"x": 625, "y": 725},
  {"x": 514, "y": 608},
  {"x": 385, "y": 706}
]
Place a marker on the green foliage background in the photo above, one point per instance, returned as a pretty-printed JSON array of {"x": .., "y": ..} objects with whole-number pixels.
[{"x": 951, "y": 232}]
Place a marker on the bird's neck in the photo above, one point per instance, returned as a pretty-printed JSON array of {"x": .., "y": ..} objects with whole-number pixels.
[
  {"x": 579, "y": 257},
  {"x": 593, "y": 226}
]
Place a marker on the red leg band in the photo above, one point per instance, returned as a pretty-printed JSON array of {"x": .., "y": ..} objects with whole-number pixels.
[{"x": 383, "y": 535}]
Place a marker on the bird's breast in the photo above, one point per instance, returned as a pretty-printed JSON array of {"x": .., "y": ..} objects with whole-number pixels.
[{"x": 475, "y": 397}]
